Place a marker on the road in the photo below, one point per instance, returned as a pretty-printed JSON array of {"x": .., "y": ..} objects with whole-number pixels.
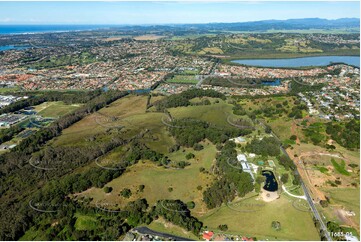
[
  {"x": 310, "y": 201},
  {"x": 202, "y": 77},
  {"x": 145, "y": 230},
  {"x": 305, "y": 190}
]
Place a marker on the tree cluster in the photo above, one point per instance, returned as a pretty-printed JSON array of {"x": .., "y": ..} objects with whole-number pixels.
[
  {"x": 232, "y": 180},
  {"x": 183, "y": 99},
  {"x": 268, "y": 146}
]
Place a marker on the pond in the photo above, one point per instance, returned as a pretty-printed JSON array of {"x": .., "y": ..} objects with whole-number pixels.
[
  {"x": 302, "y": 61},
  {"x": 272, "y": 83},
  {"x": 271, "y": 184},
  {"x": 140, "y": 91}
]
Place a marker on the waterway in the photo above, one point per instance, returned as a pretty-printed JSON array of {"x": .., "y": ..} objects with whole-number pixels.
[
  {"x": 12, "y": 47},
  {"x": 302, "y": 61}
]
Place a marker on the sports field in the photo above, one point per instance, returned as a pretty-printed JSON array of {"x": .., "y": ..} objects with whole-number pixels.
[{"x": 184, "y": 79}]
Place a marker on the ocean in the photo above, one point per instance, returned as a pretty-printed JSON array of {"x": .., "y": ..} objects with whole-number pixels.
[{"x": 31, "y": 29}]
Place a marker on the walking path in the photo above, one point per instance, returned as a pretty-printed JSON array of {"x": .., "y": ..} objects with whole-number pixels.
[{"x": 301, "y": 197}]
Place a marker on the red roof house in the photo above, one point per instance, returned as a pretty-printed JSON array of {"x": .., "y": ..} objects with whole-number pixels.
[{"x": 207, "y": 235}]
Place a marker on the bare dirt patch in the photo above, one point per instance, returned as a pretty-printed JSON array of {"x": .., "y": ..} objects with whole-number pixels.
[
  {"x": 269, "y": 196},
  {"x": 149, "y": 37}
]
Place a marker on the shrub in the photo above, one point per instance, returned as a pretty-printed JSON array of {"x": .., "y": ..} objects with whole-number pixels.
[
  {"x": 198, "y": 147},
  {"x": 276, "y": 225},
  {"x": 126, "y": 193},
  {"x": 223, "y": 227},
  {"x": 141, "y": 188},
  {"x": 191, "y": 205},
  {"x": 108, "y": 189},
  {"x": 190, "y": 156}
]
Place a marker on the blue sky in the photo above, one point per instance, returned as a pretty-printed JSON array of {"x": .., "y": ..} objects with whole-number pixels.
[{"x": 109, "y": 12}]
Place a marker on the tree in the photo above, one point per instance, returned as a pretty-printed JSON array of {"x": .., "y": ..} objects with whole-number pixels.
[
  {"x": 257, "y": 187},
  {"x": 293, "y": 137},
  {"x": 268, "y": 129},
  {"x": 141, "y": 188},
  {"x": 287, "y": 162},
  {"x": 260, "y": 178},
  {"x": 190, "y": 156},
  {"x": 324, "y": 203},
  {"x": 223, "y": 227},
  {"x": 198, "y": 147},
  {"x": 126, "y": 193},
  {"x": 284, "y": 178},
  {"x": 108, "y": 189},
  {"x": 191, "y": 205},
  {"x": 276, "y": 225}
]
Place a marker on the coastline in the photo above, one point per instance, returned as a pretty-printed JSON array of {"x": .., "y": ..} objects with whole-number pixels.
[{"x": 47, "y": 29}]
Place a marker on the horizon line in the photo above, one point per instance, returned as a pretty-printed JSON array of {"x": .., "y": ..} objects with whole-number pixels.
[{"x": 152, "y": 24}]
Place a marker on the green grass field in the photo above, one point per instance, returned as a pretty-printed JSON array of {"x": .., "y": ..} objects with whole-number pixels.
[
  {"x": 185, "y": 79},
  {"x": 216, "y": 113},
  {"x": 157, "y": 180},
  {"x": 163, "y": 226},
  {"x": 190, "y": 72},
  {"x": 295, "y": 224},
  {"x": 85, "y": 222},
  {"x": 346, "y": 198},
  {"x": 340, "y": 167},
  {"x": 8, "y": 89},
  {"x": 55, "y": 109},
  {"x": 32, "y": 234},
  {"x": 126, "y": 109}
]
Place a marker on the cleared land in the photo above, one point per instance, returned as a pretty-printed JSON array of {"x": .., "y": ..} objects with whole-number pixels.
[
  {"x": 149, "y": 37},
  {"x": 163, "y": 226},
  {"x": 85, "y": 222},
  {"x": 184, "y": 79},
  {"x": 55, "y": 109},
  {"x": 342, "y": 202},
  {"x": 158, "y": 180},
  {"x": 295, "y": 224}
]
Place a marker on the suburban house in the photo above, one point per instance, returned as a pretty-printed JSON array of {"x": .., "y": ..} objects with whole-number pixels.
[{"x": 207, "y": 235}]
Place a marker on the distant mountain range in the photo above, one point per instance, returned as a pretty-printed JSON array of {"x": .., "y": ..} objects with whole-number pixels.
[
  {"x": 352, "y": 24},
  {"x": 290, "y": 24}
]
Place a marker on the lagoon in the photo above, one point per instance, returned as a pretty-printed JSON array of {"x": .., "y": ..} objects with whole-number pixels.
[{"x": 302, "y": 61}]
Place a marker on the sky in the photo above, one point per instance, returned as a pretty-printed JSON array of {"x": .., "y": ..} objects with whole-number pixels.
[{"x": 110, "y": 12}]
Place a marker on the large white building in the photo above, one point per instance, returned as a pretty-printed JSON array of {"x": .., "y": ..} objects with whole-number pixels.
[{"x": 245, "y": 166}]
